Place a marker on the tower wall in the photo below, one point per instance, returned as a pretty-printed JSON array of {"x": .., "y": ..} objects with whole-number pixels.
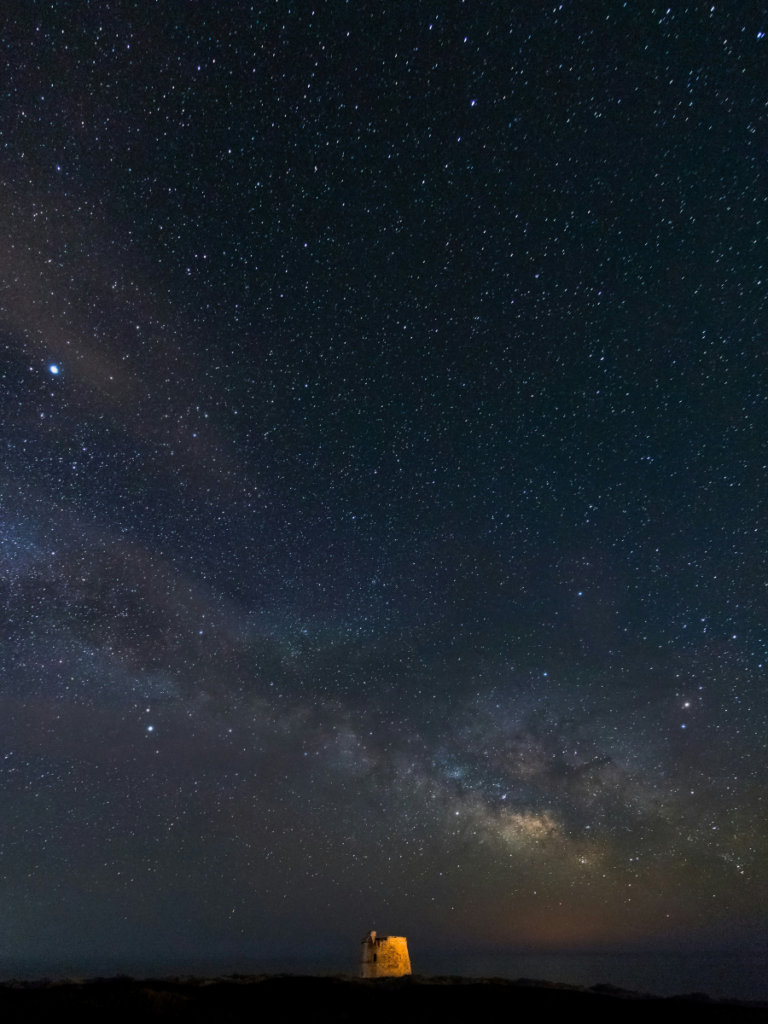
[{"x": 384, "y": 956}]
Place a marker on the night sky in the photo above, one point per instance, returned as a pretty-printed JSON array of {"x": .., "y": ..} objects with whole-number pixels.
[{"x": 382, "y": 476}]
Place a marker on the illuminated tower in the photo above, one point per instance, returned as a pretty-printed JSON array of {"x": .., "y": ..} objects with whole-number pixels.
[{"x": 384, "y": 956}]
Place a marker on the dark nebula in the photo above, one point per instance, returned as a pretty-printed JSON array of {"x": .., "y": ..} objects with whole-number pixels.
[{"x": 382, "y": 476}]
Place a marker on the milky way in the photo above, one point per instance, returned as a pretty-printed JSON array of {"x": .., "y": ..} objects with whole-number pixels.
[{"x": 383, "y": 477}]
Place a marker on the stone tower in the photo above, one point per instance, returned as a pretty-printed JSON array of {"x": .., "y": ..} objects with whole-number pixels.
[{"x": 384, "y": 956}]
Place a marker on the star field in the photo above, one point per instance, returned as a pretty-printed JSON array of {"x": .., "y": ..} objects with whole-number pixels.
[{"x": 382, "y": 476}]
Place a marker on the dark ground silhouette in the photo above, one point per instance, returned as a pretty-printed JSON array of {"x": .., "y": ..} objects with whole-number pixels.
[{"x": 315, "y": 999}]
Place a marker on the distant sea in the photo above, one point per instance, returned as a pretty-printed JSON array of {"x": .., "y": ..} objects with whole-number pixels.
[{"x": 729, "y": 975}]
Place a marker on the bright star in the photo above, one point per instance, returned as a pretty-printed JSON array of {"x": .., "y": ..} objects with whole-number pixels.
[{"x": 54, "y": 369}]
